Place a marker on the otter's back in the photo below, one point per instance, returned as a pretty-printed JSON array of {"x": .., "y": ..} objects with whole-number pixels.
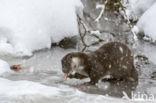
[{"x": 116, "y": 58}]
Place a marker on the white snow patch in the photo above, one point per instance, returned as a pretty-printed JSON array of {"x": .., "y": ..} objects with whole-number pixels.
[
  {"x": 4, "y": 68},
  {"x": 18, "y": 88},
  {"x": 150, "y": 53},
  {"x": 138, "y": 7},
  {"x": 29, "y": 25},
  {"x": 147, "y": 22},
  {"x": 102, "y": 11},
  {"x": 135, "y": 30},
  {"x": 95, "y": 32},
  {"x": 5, "y": 47}
]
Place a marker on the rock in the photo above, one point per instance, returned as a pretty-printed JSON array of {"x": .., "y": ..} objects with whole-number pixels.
[{"x": 67, "y": 42}]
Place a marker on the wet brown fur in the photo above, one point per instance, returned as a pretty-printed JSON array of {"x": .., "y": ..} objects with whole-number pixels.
[{"x": 112, "y": 58}]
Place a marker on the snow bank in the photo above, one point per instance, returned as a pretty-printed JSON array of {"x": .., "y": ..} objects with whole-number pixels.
[
  {"x": 29, "y": 25},
  {"x": 147, "y": 22},
  {"x": 4, "y": 68},
  {"x": 138, "y": 7},
  {"x": 61, "y": 94},
  {"x": 19, "y": 88}
]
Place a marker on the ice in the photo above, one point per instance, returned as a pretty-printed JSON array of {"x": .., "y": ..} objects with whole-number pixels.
[
  {"x": 146, "y": 23},
  {"x": 29, "y": 25},
  {"x": 4, "y": 68}
]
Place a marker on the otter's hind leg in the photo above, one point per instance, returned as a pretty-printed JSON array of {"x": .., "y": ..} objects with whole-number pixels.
[{"x": 134, "y": 75}]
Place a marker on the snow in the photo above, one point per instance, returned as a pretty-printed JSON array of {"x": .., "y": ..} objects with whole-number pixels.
[
  {"x": 147, "y": 22},
  {"x": 4, "y": 68},
  {"x": 95, "y": 32},
  {"x": 25, "y": 90},
  {"x": 149, "y": 51},
  {"x": 29, "y": 25},
  {"x": 138, "y": 7},
  {"x": 5, "y": 47},
  {"x": 102, "y": 11},
  {"x": 17, "y": 88},
  {"x": 135, "y": 30},
  {"x": 146, "y": 25}
]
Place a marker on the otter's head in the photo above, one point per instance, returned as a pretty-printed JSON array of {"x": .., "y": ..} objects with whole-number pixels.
[
  {"x": 74, "y": 62},
  {"x": 66, "y": 63}
]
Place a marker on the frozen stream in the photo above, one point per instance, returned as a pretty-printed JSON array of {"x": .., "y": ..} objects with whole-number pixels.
[{"x": 41, "y": 83}]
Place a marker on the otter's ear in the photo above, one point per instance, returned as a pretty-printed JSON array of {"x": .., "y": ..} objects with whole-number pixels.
[{"x": 76, "y": 60}]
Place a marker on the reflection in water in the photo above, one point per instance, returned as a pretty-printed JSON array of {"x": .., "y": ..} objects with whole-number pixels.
[{"x": 113, "y": 88}]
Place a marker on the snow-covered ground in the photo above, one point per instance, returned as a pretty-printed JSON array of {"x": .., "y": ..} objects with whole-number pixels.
[
  {"x": 147, "y": 22},
  {"x": 29, "y": 25},
  {"x": 4, "y": 68}
]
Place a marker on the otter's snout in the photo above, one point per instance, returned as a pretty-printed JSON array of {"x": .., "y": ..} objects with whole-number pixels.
[{"x": 65, "y": 70}]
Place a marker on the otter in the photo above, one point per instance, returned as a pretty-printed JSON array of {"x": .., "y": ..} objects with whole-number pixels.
[{"x": 114, "y": 59}]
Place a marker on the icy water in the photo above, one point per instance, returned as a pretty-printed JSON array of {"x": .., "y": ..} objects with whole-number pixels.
[{"x": 41, "y": 82}]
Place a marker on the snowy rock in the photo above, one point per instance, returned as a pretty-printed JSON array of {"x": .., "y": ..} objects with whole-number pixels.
[
  {"x": 30, "y": 25},
  {"x": 67, "y": 42},
  {"x": 4, "y": 68},
  {"x": 147, "y": 22},
  {"x": 138, "y": 7},
  {"x": 5, "y": 47}
]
